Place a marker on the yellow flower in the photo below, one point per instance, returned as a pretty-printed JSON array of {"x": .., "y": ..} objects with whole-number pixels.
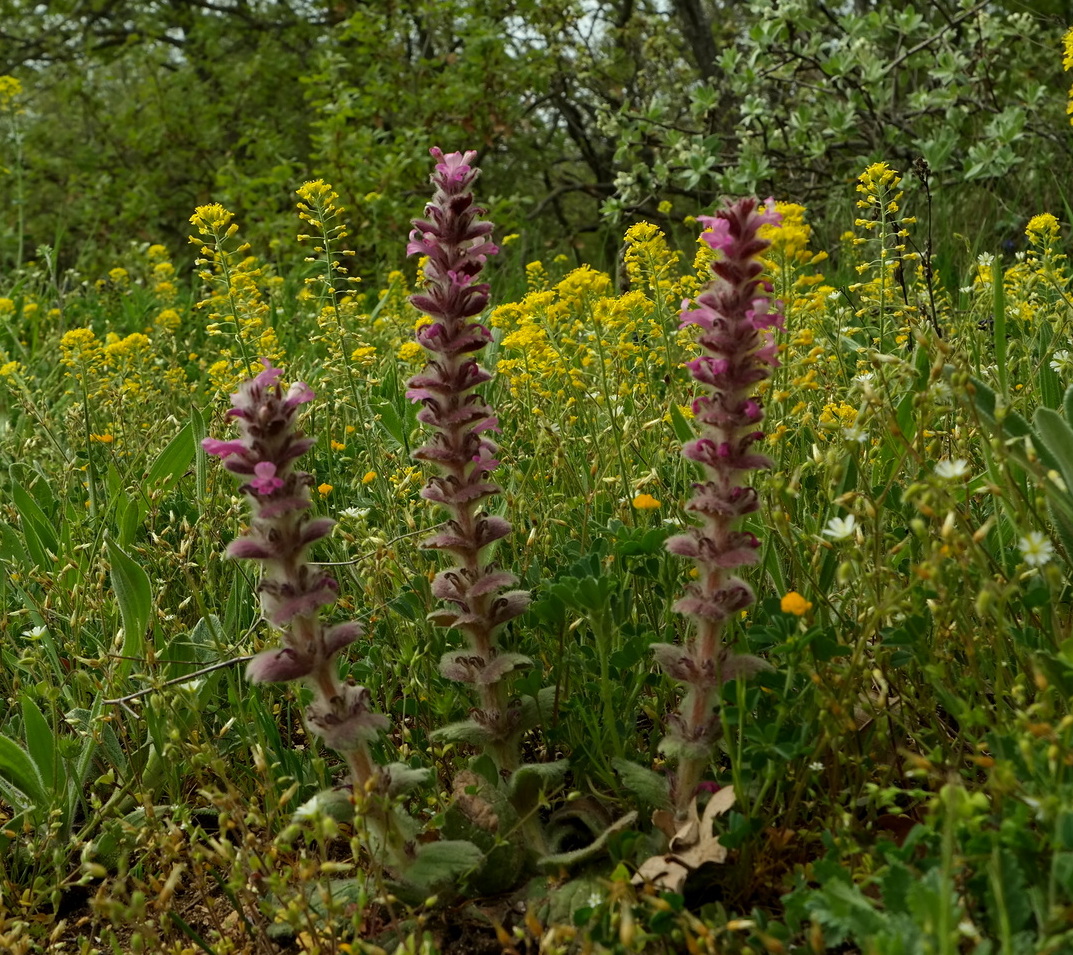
[
  {"x": 9, "y": 89},
  {"x": 338, "y": 446},
  {"x": 9, "y": 369},
  {"x": 665, "y": 207},
  {"x": 410, "y": 351},
  {"x": 791, "y": 238},
  {"x": 324, "y": 489},
  {"x": 79, "y": 345},
  {"x": 102, "y": 438},
  {"x": 794, "y": 603},
  {"x": 1042, "y": 229},
  {"x": 368, "y": 477},
  {"x": 168, "y": 319},
  {"x": 7, "y": 306},
  {"x": 317, "y": 191},
  {"x": 645, "y": 502},
  {"x": 536, "y": 276},
  {"x": 213, "y": 218}
]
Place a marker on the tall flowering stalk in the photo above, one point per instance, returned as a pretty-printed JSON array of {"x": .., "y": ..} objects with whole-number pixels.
[
  {"x": 293, "y": 591},
  {"x": 737, "y": 319},
  {"x": 456, "y": 244}
]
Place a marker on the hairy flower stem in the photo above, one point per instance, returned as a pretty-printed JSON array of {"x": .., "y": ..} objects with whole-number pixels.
[
  {"x": 293, "y": 591},
  {"x": 736, "y": 319},
  {"x": 456, "y": 244}
]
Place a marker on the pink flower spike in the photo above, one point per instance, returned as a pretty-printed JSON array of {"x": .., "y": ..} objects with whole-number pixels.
[
  {"x": 769, "y": 215},
  {"x": 455, "y": 167},
  {"x": 299, "y": 393},
  {"x": 222, "y": 449},
  {"x": 265, "y": 482},
  {"x": 716, "y": 232},
  {"x": 277, "y": 666},
  {"x": 269, "y": 376}
]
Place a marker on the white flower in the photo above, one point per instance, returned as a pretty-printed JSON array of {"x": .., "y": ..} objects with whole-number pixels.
[
  {"x": 1036, "y": 550},
  {"x": 816, "y": 767},
  {"x": 1061, "y": 361},
  {"x": 35, "y": 633},
  {"x": 940, "y": 391},
  {"x": 986, "y": 259},
  {"x": 355, "y": 513},
  {"x": 855, "y": 434},
  {"x": 840, "y": 528},
  {"x": 951, "y": 470}
]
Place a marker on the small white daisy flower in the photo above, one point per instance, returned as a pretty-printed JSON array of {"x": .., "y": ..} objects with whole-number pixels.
[
  {"x": 953, "y": 470},
  {"x": 1061, "y": 361},
  {"x": 1036, "y": 550},
  {"x": 840, "y": 528}
]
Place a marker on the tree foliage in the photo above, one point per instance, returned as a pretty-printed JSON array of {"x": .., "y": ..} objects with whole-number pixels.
[{"x": 585, "y": 111}]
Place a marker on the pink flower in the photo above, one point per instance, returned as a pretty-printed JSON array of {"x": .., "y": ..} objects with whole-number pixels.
[{"x": 265, "y": 481}]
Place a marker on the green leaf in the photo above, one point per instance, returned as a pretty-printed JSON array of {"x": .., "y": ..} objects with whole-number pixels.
[
  {"x": 127, "y": 517},
  {"x": 390, "y": 421},
  {"x": 592, "y": 850},
  {"x": 31, "y": 513},
  {"x": 198, "y": 431},
  {"x": 1057, "y": 439},
  {"x": 11, "y": 546},
  {"x": 40, "y": 743},
  {"x": 173, "y": 461},
  {"x": 1067, "y": 403},
  {"x": 528, "y": 782},
  {"x": 464, "y": 731},
  {"x": 336, "y": 803},
  {"x": 135, "y": 598},
  {"x": 1063, "y": 524},
  {"x": 650, "y": 787},
  {"x": 985, "y": 401},
  {"x": 1050, "y": 386},
  {"x": 84, "y": 762},
  {"x": 535, "y": 709},
  {"x": 402, "y": 778},
  {"x": 904, "y": 415},
  {"x": 21, "y": 771},
  {"x": 682, "y": 431},
  {"x": 439, "y": 864}
]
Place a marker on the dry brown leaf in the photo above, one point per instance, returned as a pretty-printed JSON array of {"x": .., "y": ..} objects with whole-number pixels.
[{"x": 691, "y": 844}]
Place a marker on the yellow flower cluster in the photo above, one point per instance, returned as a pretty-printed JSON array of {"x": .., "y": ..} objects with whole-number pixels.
[
  {"x": 577, "y": 340},
  {"x": 234, "y": 299},
  {"x": 10, "y": 89},
  {"x": 651, "y": 264},
  {"x": 1037, "y": 284},
  {"x": 884, "y": 292},
  {"x": 162, "y": 274},
  {"x": 119, "y": 378}
]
